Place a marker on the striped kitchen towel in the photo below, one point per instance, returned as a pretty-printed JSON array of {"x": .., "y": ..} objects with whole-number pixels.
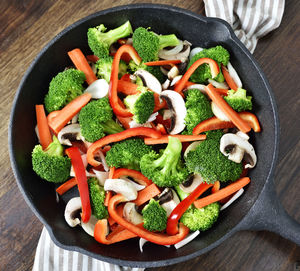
[{"x": 250, "y": 19}]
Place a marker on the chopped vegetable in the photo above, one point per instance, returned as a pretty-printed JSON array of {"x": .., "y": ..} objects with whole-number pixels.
[
  {"x": 42, "y": 125},
  {"x": 238, "y": 100},
  {"x": 228, "y": 78},
  {"x": 146, "y": 194},
  {"x": 165, "y": 139},
  {"x": 66, "y": 186},
  {"x": 154, "y": 216}
]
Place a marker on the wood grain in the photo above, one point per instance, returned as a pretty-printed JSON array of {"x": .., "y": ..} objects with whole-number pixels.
[{"x": 26, "y": 26}]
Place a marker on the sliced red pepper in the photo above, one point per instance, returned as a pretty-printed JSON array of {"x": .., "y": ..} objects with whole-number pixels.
[
  {"x": 126, "y": 77},
  {"x": 136, "y": 175},
  {"x": 82, "y": 184},
  {"x": 139, "y": 131},
  {"x": 172, "y": 224},
  {"x": 214, "y": 123},
  {"x": 162, "y": 62},
  {"x": 92, "y": 58},
  {"x": 214, "y": 68},
  {"x": 157, "y": 238}
]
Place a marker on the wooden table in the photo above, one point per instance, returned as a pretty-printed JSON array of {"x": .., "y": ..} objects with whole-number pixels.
[{"x": 26, "y": 26}]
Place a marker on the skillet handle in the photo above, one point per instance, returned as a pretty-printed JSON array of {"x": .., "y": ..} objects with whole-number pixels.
[{"x": 268, "y": 214}]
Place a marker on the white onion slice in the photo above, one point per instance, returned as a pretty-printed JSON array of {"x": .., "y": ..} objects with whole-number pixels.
[
  {"x": 234, "y": 75},
  {"x": 198, "y": 86},
  {"x": 194, "y": 51},
  {"x": 175, "y": 80},
  {"x": 174, "y": 51},
  {"x": 218, "y": 84},
  {"x": 218, "y": 112},
  {"x": 143, "y": 241},
  {"x": 85, "y": 163},
  {"x": 163, "y": 70},
  {"x": 138, "y": 187},
  {"x": 98, "y": 89},
  {"x": 103, "y": 160},
  {"x": 166, "y": 84},
  {"x": 187, "y": 239},
  {"x": 90, "y": 225},
  {"x": 234, "y": 197},
  {"x": 191, "y": 147},
  {"x": 101, "y": 176}
]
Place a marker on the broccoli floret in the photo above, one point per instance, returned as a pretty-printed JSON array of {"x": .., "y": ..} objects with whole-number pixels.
[
  {"x": 198, "y": 109},
  {"x": 141, "y": 105},
  {"x": 201, "y": 219},
  {"x": 238, "y": 100},
  {"x": 148, "y": 43},
  {"x": 97, "y": 196},
  {"x": 96, "y": 121},
  {"x": 127, "y": 153},
  {"x": 210, "y": 163},
  {"x": 203, "y": 73},
  {"x": 182, "y": 195},
  {"x": 50, "y": 164},
  {"x": 165, "y": 169},
  {"x": 104, "y": 65},
  {"x": 154, "y": 216},
  {"x": 100, "y": 41},
  {"x": 64, "y": 88}
]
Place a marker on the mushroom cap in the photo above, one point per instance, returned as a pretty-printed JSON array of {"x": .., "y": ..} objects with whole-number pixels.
[
  {"x": 149, "y": 80},
  {"x": 191, "y": 183},
  {"x": 130, "y": 213},
  {"x": 121, "y": 186},
  {"x": 69, "y": 133},
  {"x": 72, "y": 209}
]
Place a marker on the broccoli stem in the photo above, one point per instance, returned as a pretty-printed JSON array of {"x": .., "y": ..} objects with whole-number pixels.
[
  {"x": 167, "y": 40},
  {"x": 111, "y": 127},
  {"x": 120, "y": 32},
  {"x": 182, "y": 195},
  {"x": 55, "y": 148}
]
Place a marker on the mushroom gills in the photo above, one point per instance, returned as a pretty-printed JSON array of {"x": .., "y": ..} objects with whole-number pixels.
[{"x": 69, "y": 133}]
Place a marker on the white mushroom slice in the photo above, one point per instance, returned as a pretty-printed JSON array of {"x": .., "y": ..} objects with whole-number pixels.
[
  {"x": 166, "y": 84},
  {"x": 137, "y": 186},
  {"x": 121, "y": 186},
  {"x": 130, "y": 213},
  {"x": 73, "y": 208},
  {"x": 234, "y": 75},
  {"x": 242, "y": 135},
  {"x": 175, "y": 80},
  {"x": 234, "y": 198},
  {"x": 149, "y": 80},
  {"x": 90, "y": 225},
  {"x": 194, "y": 51},
  {"x": 75, "y": 119},
  {"x": 189, "y": 185},
  {"x": 218, "y": 84},
  {"x": 98, "y": 89},
  {"x": 69, "y": 133},
  {"x": 218, "y": 112},
  {"x": 173, "y": 73},
  {"x": 168, "y": 199},
  {"x": 167, "y": 114},
  {"x": 177, "y": 106},
  {"x": 192, "y": 147},
  {"x": 101, "y": 176},
  {"x": 190, "y": 237},
  {"x": 230, "y": 142}
]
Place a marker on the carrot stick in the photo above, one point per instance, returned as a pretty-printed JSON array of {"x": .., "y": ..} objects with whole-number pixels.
[
  {"x": 146, "y": 194},
  {"x": 222, "y": 193},
  {"x": 163, "y": 62},
  {"x": 68, "y": 112},
  {"x": 216, "y": 187},
  {"x": 52, "y": 115},
  {"x": 81, "y": 64},
  {"x": 111, "y": 172},
  {"x": 42, "y": 124},
  {"x": 127, "y": 88},
  {"x": 108, "y": 196},
  {"x": 228, "y": 78},
  {"x": 228, "y": 111},
  {"x": 66, "y": 186},
  {"x": 165, "y": 139}
]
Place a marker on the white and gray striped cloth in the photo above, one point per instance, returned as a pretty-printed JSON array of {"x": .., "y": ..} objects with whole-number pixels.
[{"x": 250, "y": 20}]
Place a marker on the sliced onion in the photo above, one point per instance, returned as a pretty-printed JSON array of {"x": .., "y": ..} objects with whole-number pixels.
[
  {"x": 143, "y": 241},
  {"x": 163, "y": 70},
  {"x": 234, "y": 75},
  {"x": 98, "y": 89},
  {"x": 85, "y": 163},
  {"x": 177, "y": 49},
  {"x": 138, "y": 187},
  {"x": 187, "y": 239},
  {"x": 175, "y": 80},
  {"x": 194, "y": 51},
  {"x": 191, "y": 147},
  {"x": 173, "y": 73},
  {"x": 198, "y": 86},
  {"x": 101, "y": 176},
  {"x": 103, "y": 160},
  {"x": 218, "y": 112},
  {"x": 166, "y": 84},
  {"x": 218, "y": 84},
  {"x": 234, "y": 197},
  {"x": 90, "y": 225}
]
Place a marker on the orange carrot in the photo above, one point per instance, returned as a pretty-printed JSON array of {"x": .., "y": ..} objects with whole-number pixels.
[
  {"x": 52, "y": 115},
  {"x": 127, "y": 87},
  {"x": 146, "y": 194},
  {"x": 66, "y": 186},
  {"x": 124, "y": 121},
  {"x": 111, "y": 172},
  {"x": 108, "y": 196},
  {"x": 216, "y": 187},
  {"x": 229, "y": 79},
  {"x": 42, "y": 125},
  {"x": 68, "y": 112},
  {"x": 165, "y": 139},
  {"x": 222, "y": 193},
  {"x": 162, "y": 62},
  {"x": 227, "y": 110},
  {"x": 81, "y": 64}
]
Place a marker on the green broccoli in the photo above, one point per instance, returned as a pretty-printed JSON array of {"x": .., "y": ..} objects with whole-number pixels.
[
  {"x": 127, "y": 153},
  {"x": 97, "y": 196},
  {"x": 100, "y": 41},
  {"x": 198, "y": 109},
  {"x": 203, "y": 73},
  {"x": 141, "y": 105},
  {"x": 182, "y": 195},
  {"x": 64, "y": 88},
  {"x": 165, "y": 169},
  {"x": 104, "y": 65},
  {"x": 238, "y": 100},
  {"x": 201, "y": 219},
  {"x": 50, "y": 164},
  {"x": 154, "y": 216},
  {"x": 210, "y": 163},
  {"x": 148, "y": 43},
  {"x": 96, "y": 121}
]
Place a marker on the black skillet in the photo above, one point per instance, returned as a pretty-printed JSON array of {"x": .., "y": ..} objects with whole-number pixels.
[{"x": 257, "y": 209}]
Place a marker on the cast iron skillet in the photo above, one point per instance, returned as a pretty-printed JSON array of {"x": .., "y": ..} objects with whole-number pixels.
[{"x": 257, "y": 209}]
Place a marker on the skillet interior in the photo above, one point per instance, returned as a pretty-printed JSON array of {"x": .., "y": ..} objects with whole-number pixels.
[{"x": 40, "y": 195}]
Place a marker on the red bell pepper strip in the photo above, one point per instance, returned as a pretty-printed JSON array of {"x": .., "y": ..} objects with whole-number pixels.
[
  {"x": 113, "y": 87},
  {"x": 82, "y": 184},
  {"x": 228, "y": 78},
  {"x": 172, "y": 223},
  {"x": 136, "y": 175},
  {"x": 162, "y": 62},
  {"x": 214, "y": 68},
  {"x": 92, "y": 58},
  {"x": 157, "y": 238},
  {"x": 126, "y": 77},
  {"x": 227, "y": 110},
  {"x": 214, "y": 123},
  {"x": 139, "y": 131},
  {"x": 127, "y": 88}
]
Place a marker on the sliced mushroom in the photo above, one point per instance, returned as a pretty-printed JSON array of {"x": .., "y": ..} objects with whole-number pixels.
[
  {"x": 98, "y": 89},
  {"x": 75, "y": 119},
  {"x": 101, "y": 176},
  {"x": 236, "y": 147},
  {"x": 149, "y": 80},
  {"x": 192, "y": 147},
  {"x": 90, "y": 226},
  {"x": 137, "y": 186},
  {"x": 130, "y": 213},
  {"x": 69, "y": 133},
  {"x": 181, "y": 52},
  {"x": 166, "y": 84},
  {"x": 177, "y": 106},
  {"x": 121, "y": 186},
  {"x": 72, "y": 212},
  {"x": 175, "y": 80},
  {"x": 168, "y": 199},
  {"x": 189, "y": 185}
]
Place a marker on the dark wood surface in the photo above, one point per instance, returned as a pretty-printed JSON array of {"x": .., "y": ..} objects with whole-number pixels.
[{"x": 26, "y": 26}]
